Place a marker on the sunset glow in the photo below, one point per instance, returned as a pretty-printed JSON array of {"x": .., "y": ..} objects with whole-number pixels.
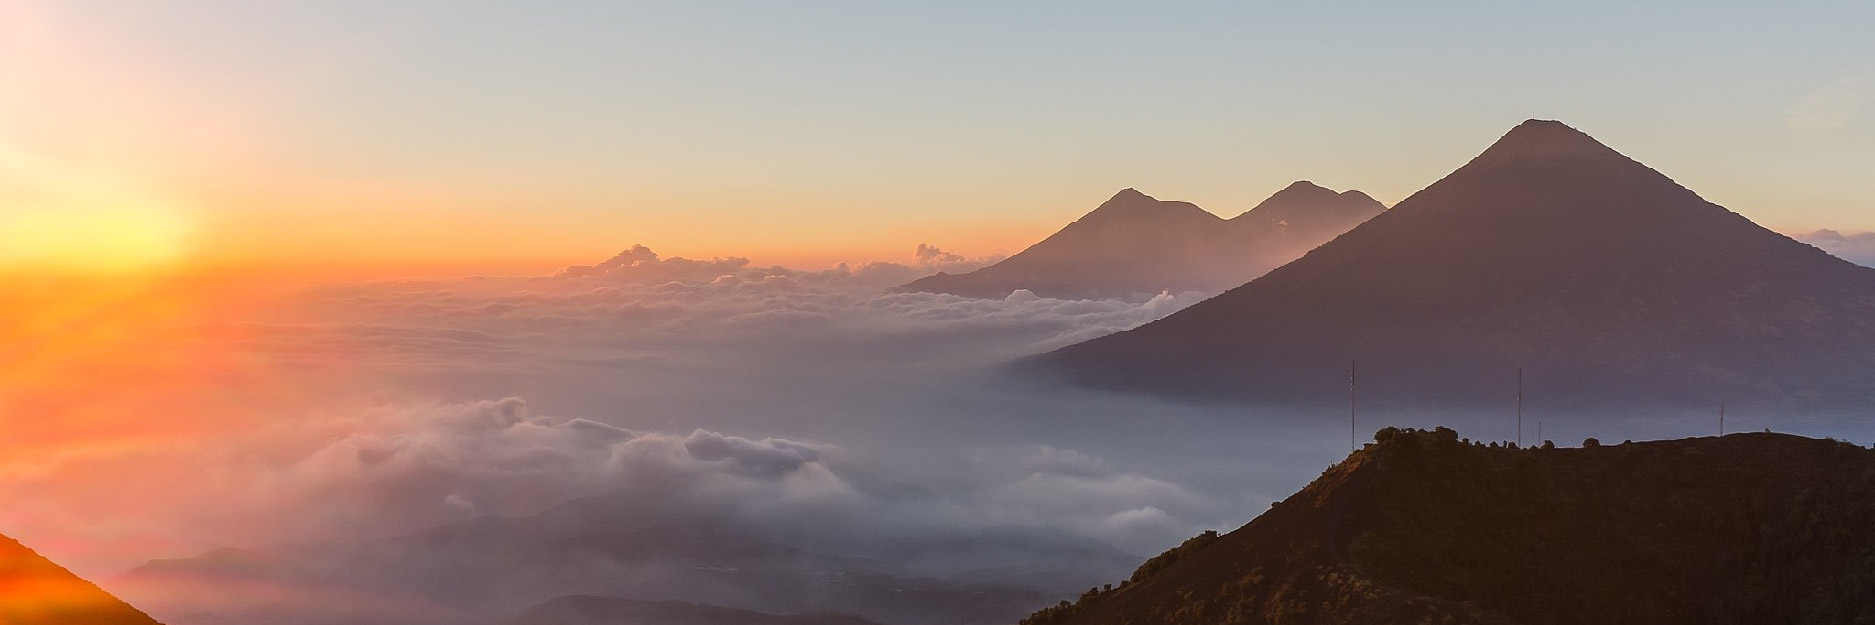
[{"x": 939, "y": 312}]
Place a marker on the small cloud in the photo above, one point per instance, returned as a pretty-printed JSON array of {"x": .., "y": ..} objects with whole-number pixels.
[
  {"x": 456, "y": 503},
  {"x": 928, "y": 254},
  {"x": 1836, "y": 105}
]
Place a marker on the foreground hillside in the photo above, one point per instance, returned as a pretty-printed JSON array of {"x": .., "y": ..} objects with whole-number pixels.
[
  {"x": 35, "y": 591},
  {"x": 1425, "y": 528}
]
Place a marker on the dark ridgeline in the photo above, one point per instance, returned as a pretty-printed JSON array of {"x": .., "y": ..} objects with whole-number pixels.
[
  {"x": 1134, "y": 245},
  {"x": 1604, "y": 280},
  {"x": 35, "y": 591},
  {"x": 1424, "y": 528},
  {"x": 590, "y": 610}
]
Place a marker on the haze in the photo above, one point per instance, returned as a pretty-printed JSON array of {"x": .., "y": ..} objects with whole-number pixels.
[{"x": 288, "y": 286}]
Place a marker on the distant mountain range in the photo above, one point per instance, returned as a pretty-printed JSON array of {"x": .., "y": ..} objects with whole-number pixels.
[
  {"x": 1134, "y": 245},
  {"x": 1609, "y": 284},
  {"x": 607, "y": 547},
  {"x": 35, "y": 591},
  {"x": 1423, "y": 527}
]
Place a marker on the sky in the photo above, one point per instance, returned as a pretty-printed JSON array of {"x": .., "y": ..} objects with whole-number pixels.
[
  {"x": 264, "y": 258},
  {"x": 418, "y": 138}
]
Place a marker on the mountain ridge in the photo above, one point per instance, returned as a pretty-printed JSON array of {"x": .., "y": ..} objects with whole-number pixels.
[
  {"x": 1550, "y": 252},
  {"x": 1136, "y": 245},
  {"x": 1422, "y": 526}
]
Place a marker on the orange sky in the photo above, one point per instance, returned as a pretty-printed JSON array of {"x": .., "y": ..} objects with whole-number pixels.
[{"x": 416, "y": 139}]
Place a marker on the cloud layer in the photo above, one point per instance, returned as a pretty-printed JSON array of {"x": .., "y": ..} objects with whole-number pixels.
[{"x": 709, "y": 387}]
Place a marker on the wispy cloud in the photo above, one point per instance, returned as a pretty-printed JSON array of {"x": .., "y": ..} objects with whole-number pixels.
[{"x": 1834, "y": 106}]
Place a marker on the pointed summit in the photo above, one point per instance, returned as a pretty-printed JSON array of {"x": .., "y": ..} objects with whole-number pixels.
[
  {"x": 1139, "y": 209},
  {"x": 1541, "y": 139},
  {"x": 1304, "y": 195},
  {"x": 1610, "y": 283},
  {"x": 1302, "y": 189},
  {"x": 1135, "y": 245}
]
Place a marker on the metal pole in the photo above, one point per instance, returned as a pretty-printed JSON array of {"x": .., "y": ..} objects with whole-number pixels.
[
  {"x": 1352, "y": 444},
  {"x": 1520, "y": 406},
  {"x": 1721, "y": 418}
]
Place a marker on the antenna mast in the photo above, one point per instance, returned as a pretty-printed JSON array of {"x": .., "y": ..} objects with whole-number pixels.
[
  {"x": 1352, "y": 444},
  {"x": 1520, "y": 406},
  {"x": 1721, "y": 418}
]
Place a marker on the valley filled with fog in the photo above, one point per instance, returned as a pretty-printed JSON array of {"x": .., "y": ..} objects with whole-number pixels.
[{"x": 824, "y": 412}]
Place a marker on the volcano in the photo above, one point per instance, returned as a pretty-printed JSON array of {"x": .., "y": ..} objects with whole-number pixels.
[
  {"x": 1601, "y": 279},
  {"x": 1136, "y": 245}
]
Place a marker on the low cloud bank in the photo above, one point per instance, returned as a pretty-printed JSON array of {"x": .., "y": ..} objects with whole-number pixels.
[
  {"x": 392, "y": 471},
  {"x": 711, "y": 387}
]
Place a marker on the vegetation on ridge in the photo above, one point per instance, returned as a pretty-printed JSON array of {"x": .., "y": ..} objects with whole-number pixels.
[{"x": 1426, "y": 527}]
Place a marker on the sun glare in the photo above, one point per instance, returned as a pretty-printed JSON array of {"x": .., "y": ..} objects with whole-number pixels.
[
  {"x": 61, "y": 218},
  {"x": 108, "y": 240}
]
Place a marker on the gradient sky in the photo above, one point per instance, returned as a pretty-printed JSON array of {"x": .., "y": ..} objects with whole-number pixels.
[{"x": 490, "y": 135}]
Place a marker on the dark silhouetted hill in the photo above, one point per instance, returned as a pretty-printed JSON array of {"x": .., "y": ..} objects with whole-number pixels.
[
  {"x": 35, "y": 591},
  {"x": 1135, "y": 245},
  {"x": 590, "y": 610},
  {"x": 1424, "y": 528},
  {"x": 1605, "y": 280}
]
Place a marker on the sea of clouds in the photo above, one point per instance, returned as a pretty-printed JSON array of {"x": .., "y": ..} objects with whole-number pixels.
[{"x": 824, "y": 405}]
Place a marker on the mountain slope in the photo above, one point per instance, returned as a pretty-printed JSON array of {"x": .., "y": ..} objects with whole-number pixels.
[
  {"x": 1551, "y": 252},
  {"x": 1421, "y": 527},
  {"x": 34, "y": 591},
  {"x": 589, "y": 610},
  {"x": 1134, "y": 244}
]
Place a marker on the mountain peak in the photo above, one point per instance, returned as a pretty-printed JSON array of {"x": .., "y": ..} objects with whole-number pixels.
[
  {"x": 1129, "y": 194},
  {"x": 1548, "y": 247},
  {"x": 1544, "y": 138},
  {"x": 1304, "y": 186},
  {"x": 1296, "y": 202},
  {"x": 1135, "y": 245},
  {"x": 1357, "y": 194},
  {"x": 1301, "y": 190},
  {"x": 1132, "y": 206}
]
